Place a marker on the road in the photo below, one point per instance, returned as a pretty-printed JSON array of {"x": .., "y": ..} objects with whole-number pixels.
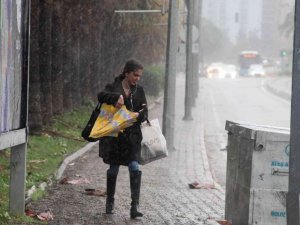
[{"x": 243, "y": 99}]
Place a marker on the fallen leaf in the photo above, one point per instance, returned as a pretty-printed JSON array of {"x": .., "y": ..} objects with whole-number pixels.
[
  {"x": 29, "y": 212},
  {"x": 45, "y": 216},
  {"x": 95, "y": 192},
  {"x": 38, "y": 161},
  {"x": 196, "y": 185},
  {"x": 78, "y": 181},
  {"x": 223, "y": 222},
  {"x": 64, "y": 180},
  {"x": 46, "y": 135}
]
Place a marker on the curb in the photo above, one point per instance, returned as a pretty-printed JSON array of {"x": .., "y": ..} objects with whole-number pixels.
[
  {"x": 282, "y": 94},
  {"x": 207, "y": 167},
  {"x": 58, "y": 174},
  {"x": 72, "y": 157}
]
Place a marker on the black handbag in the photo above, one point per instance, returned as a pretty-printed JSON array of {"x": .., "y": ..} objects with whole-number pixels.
[{"x": 89, "y": 126}]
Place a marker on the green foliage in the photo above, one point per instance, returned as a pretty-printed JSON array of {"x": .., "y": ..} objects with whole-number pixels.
[
  {"x": 44, "y": 154},
  {"x": 4, "y": 187},
  {"x": 38, "y": 195},
  {"x": 153, "y": 79},
  {"x": 4, "y": 217}
]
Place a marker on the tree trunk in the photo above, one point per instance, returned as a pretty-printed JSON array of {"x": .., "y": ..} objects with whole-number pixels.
[
  {"x": 76, "y": 87},
  {"x": 46, "y": 59},
  {"x": 57, "y": 53},
  {"x": 96, "y": 29},
  {"x": 67, "y": 99},
  {"x": 85, "y": 40},
  {"x": 34, "y": 112}
]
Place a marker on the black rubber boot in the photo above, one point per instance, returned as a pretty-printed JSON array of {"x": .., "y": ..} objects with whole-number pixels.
[
  {"x": 111, "y": 180},
  {"x": 135, "y": 186}
]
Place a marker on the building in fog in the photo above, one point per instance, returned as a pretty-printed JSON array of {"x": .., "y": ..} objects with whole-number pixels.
[
  {"x": 216, "y": 12},
  {"x": 252, "y": 24},
  {"x": 273, "y": 15},
  {"x": 235, "y": 17}
]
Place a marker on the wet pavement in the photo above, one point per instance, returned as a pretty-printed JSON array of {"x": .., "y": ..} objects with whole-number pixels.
[{"x": 165, "y": 194}]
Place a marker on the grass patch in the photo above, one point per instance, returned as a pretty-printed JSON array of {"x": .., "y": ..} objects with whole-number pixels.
[
  {"x": 38, "y": 194},
  {"x": 45, "y": 153}
]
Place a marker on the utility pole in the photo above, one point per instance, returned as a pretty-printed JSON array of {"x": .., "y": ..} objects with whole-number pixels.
[
  {"x": 192, "y": 56},
  {"x": 294, "y": 165},
  {"x": 196, "y": 48},
  {"x": 170, "y": 78}
]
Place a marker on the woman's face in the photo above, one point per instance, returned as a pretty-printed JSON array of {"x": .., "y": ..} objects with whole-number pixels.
[{"x": 134, "y": 76}]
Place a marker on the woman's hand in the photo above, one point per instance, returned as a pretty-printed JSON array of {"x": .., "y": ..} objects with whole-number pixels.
[{"x": 120, "y": 102}]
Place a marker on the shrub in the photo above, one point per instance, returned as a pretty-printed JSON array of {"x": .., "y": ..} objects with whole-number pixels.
[{"x": 153, "y": 79}]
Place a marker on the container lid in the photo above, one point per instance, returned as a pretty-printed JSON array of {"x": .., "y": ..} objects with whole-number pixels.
[{"x": 255, "y": 131}]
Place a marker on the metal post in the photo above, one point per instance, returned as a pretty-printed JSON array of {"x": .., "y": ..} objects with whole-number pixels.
[
  {"x": 200, "y": 54},
  {"x": 170, "y": 78},
  {"x": 189, "y": 62},
  {"x": 294, "y": 168},
  {"x": 17, "y": 179},
  {"x": 196, "y": 48},
  {"x": 18, "y": 152}
]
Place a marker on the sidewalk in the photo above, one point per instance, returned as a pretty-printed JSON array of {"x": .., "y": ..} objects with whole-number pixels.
[{"x": 165, "y": 195}]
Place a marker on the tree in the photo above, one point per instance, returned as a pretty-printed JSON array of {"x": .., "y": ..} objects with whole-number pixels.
[
  {"x": 288, "y": 24},
  {"x": 67, "y": 56},
  {"x": 75, "y": 52},
  {"x": 57, "y": 53},
  {"x": 45, "y": 52},
  {"x": 78, "y": 45},
  {"x": 34, "y": 113}
]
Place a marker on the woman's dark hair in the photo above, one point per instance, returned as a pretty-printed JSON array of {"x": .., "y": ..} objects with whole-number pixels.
[{"x": 131, "y": 66}]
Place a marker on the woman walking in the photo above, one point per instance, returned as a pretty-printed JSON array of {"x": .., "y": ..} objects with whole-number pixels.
[{"x": 125, "y": 149}]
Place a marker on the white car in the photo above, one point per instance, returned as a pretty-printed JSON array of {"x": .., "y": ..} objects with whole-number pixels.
[
  {"x": 221, "y": 70},
  {"x": 230, "y": 71},
  {"x": 215, "y": 70},
  {"x": 256, "y": 70}
]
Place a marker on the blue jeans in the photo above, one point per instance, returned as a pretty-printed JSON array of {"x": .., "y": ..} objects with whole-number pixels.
[{"x": 132, "y": 166}]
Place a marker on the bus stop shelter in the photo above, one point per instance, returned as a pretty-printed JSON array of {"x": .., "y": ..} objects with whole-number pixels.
[{"x": 14, "y": 94}]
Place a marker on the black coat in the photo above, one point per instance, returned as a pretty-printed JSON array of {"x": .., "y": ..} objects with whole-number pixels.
[{"x": 126, "y": 147}]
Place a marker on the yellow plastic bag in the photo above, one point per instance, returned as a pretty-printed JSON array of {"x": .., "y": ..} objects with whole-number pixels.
[{"x": 112, "y": 120}]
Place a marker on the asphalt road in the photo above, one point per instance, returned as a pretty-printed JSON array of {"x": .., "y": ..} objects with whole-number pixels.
[{"x": 243, "y": 99}]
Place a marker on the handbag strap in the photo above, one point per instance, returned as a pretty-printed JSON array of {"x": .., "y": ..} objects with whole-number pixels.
[{"x": 98, "y": 107}]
